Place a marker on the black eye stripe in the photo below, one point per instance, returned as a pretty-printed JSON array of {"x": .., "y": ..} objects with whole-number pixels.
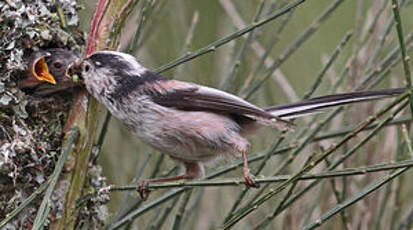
[{"x": 111, "y": 61}]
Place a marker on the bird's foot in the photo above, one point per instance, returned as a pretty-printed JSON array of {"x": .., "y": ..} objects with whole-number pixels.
[
  {"x": 249, "y": 179},
  {"x": 143, "y": 189}
]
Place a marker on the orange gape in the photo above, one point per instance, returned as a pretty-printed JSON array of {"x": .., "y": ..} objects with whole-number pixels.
[{"x": 41, "y": 71}]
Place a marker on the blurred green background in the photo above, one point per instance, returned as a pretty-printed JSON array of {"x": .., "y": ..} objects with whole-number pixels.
[{"x": 163, "y": 40}]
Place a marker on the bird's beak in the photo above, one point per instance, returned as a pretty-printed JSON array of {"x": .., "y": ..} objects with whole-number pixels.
[
  {"x": 39, "y": 69},
  {"x": 74, "y": 70}
]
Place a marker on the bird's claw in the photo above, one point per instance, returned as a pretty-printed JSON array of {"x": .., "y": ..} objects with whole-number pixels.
[
  {"x": 143, "y": 189},
  {"x": 249, "y": 179}
]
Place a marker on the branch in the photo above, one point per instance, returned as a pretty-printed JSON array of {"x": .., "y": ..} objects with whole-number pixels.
[{"x": 271, "y": 179}]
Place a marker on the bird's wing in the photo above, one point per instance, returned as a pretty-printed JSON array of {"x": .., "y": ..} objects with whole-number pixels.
[{"x": 191, "y": 97}]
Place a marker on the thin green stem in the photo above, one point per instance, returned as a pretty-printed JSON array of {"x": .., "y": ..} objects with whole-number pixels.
[
  {"x": 345, "y": 130},
  {"x": 272, "y": 179},
  {"x": 405, "y": 57}
]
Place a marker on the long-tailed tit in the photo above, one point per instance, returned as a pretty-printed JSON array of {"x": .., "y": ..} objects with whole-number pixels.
[{"x": 191, "y": 123}]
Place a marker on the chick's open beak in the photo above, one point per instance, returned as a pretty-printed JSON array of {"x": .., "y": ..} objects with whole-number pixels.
[{"x": 40, "y": 70}]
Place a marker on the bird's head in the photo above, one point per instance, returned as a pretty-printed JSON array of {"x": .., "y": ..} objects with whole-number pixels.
[{"x": 108, "y": 73}]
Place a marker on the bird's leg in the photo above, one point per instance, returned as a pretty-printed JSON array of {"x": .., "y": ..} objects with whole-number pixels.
[
  {"x": 192, "y": 170},
  {"x": 248, "y": 177}
]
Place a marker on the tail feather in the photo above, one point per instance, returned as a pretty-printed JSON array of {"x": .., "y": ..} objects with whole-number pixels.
[{"x": 314, "y": 105}]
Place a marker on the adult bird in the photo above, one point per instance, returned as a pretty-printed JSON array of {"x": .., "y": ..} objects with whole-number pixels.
[{"x": 191, "y": 123}]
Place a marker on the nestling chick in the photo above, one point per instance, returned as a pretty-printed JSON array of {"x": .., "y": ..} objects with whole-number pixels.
[
  {"x": 191, "y": 123},
  {"x": 47, "y": 71}
]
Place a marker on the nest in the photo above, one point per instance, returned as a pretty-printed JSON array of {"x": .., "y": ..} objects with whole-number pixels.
[{"x": 31, "y": 127}]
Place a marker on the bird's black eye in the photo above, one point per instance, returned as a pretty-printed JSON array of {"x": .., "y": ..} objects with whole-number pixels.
[
  {"x": 57, "y": 64},
  {"x": 86, "y": 67}
]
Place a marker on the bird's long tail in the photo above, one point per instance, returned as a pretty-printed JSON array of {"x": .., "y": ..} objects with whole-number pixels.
[{"x": 314, "y": 105}]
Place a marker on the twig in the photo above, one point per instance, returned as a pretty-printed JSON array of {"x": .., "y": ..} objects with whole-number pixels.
[
  {"x": 345, "y": 130},
  {"x": 384, "y": 64},
  {"x": 97, "y": 17},
  {"x": 273, "y": 179},
  {"x": 405, "y": 58},
  {"x": 44, "y": 218},
  {"x": 145, "y": 208}
]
